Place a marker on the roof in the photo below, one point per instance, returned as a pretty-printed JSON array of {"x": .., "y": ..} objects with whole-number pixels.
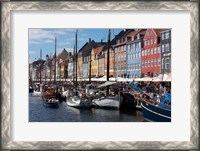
[
  {"x": 98, "y": 50},
  {"x": 86, "y": 49}
]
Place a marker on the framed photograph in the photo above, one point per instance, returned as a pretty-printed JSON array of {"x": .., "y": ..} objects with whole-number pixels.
[{"x": 100, "y": 75}]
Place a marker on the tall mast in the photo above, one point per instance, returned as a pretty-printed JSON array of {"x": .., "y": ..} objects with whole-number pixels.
[
  {"x": 76, "y": 57},
  {"x": 108, "y": 61},
  {"x": 108, "y": 55},
  {"x": 50, "y": 66},
  {"x": 55, "y": 63},
  {"x": 90, "y": 66},
  {"x": 40, "y": 66}
]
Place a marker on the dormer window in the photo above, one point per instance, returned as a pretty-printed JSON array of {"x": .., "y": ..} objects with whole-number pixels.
[{"x": 138, "y": 36}]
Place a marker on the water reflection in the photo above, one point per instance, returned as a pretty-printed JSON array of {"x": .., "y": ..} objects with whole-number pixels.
[{"x": 40, "y": 113}]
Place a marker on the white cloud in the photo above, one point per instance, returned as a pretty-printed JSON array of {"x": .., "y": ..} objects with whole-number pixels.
[
  {"x": 31, "y": 52},
  {"x": 41, "y": 36}
]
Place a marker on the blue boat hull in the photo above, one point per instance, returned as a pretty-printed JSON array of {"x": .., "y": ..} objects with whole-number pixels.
[{"x": 155, "y": 113}]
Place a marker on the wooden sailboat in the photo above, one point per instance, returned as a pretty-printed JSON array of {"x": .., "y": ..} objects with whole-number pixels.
[
  {"x": 75, "y": 99},
  {"x": 108, "y": 101}
]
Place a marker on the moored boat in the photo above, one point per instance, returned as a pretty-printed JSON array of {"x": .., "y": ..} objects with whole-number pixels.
[
  {"x": 76, "y": 100},
  {"x": 158, "y": 113},
  {"x": 108, "y": 102},
  {"x": 53, "y": 102},
  {"x": 154, "y": 107}
]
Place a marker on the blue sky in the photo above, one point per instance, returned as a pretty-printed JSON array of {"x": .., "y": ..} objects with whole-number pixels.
[{"x": 44, "y": 38}]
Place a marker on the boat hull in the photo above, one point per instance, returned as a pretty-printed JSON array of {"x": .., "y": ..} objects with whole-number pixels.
[
  {"x": 78, "y": 102},
  {"x": 107, "y": 102},
  {"x": 47, "y": 103},
  {"x": 155, "y": 113}
]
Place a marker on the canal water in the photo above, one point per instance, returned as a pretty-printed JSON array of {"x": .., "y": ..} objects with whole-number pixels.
[{"x": 39, "y": 113}]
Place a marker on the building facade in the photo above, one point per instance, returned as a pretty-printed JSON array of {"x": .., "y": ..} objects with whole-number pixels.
[
  {"x": 71, "y": 69},
  {"x": 151, "y": 57},
  {"x": 134, "y": 54},
  {"x": 120, "y": 53},
  {"x": 165, "y": 45},
  {"x": 79, "y": 66}
]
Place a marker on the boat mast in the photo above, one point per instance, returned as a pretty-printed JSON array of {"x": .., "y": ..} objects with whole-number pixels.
[
  {"x": 76, "y": 59},
  {"x": 108, "y": 61},
  {"x": 40, "y": 66},
  {"x": 90, "y": 68},
  {"x": 55, "y": 63},
  {"x": 73, "y": 59},
  {"x": 50, "y": 66}
]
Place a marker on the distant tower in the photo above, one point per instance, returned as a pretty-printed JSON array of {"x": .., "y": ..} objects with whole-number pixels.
[
  {"x": 40, "y": 54},
  {"x": 47, "y": 57}
]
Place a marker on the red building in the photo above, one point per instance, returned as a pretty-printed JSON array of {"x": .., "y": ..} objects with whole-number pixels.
[{"x": 150, "y": 56}]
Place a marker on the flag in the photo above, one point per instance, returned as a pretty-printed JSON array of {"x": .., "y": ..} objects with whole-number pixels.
[{"x": 61, "y": 61}]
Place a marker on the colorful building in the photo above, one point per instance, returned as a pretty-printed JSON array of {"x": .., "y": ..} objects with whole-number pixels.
[
  {"x": 71, "y": 67},
  {"x": 94, "y": 60},
  {"x": 79, "y": 65},
  {"x": 101, "y": 64},
  {"x": 165, "y": 44},
  {"x": 120, "y": 53},
  {"x": 151, "y": 57},
  {"x": 134, "y": 53}
]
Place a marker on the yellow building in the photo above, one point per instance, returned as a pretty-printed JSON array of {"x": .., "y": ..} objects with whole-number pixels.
[
  {"x": 94, "y": 60},
  {"x": 79, "y": 65}
]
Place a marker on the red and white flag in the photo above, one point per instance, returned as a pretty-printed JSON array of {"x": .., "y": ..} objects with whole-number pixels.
[{"x": 61, "y": 61}]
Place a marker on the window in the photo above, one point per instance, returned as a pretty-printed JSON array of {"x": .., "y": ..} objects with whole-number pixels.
[
  {"x": 155, "y": 62},
  {"x": 158, "y": 62},
  {"x": 167, "y": 35},
  {"x": 159, "y": 49},
  {"x": 124, "y": 47},
  {"x": 138, "y": 66},
  {"x": 145, "y": 52},
  {"x": 152, "y": 51},
  {"x": 163, "y": 48},
  {"x": 124, "y": 57},
  {"x": 142, "y": 64},
  {"x": 138, "y": 36},
  {"x": 136, "y": 55},
  {"x": 145, "y": 42},
  {"x": 151, "y": 62},
  {"x": 142, "y": 52},
  {"x": 163, "y": 63},
  {"x": 148, "y": 42},
  {"x": 167, "y": 62},
  {"x": 162, "y": 36},
  {"x": 149, "y": 52},
  {"x": 167, "y": 47},
  {"x": 139, "y": 44},
  {"x": 139, "y": 54},
  {"x": 155, "y": 40},
  {"x": 145, "y": 63},
  {"x": 151, "y": 41}
]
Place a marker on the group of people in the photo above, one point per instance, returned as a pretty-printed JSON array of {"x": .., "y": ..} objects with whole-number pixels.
[{"x": 156, "y": 92}]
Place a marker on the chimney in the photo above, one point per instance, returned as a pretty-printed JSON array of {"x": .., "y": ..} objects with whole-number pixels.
[{"x": 89, "y": 39}]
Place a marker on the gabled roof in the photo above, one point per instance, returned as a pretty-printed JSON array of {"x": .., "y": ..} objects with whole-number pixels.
[
  {"x": 155, "y": 31},
  {"x": 98, "y": 50}
]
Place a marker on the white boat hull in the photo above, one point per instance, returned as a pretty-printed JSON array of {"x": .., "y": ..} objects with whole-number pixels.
[
  {"x": 78, "y": 102},
  {"x": 108, "y": 102},
  {"x": 37, "y": 93}
]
